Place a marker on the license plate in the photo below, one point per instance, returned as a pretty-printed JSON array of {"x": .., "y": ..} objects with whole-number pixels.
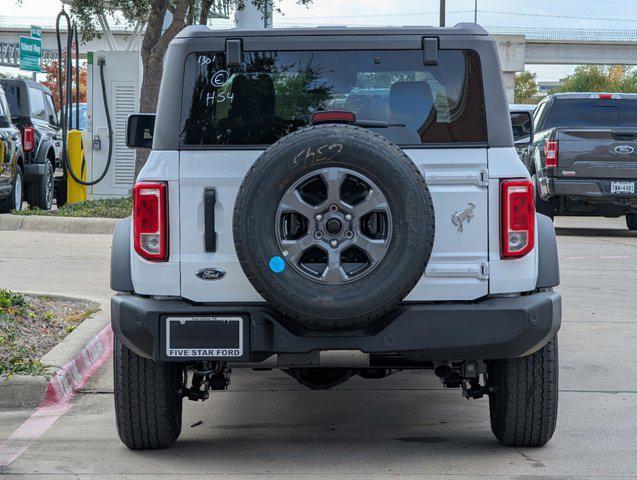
[
  {"x": 204, "y": 336},
  {"x": 622, "y": 187}
]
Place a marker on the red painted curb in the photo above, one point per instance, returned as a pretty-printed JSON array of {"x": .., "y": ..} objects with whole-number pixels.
[
  {"x": 75, "y": 373},
  {"x": 61, "y": 388}
]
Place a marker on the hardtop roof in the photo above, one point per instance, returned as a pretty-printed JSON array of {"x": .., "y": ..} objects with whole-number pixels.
[{"x": 202, "y": 31}]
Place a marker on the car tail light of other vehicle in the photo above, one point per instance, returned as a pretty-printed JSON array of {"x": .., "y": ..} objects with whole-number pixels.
[
  {"x": 550, "y": 153},
  {"x": 150, "y": 220},
  {"x": 518, "y": 217},
  {"x": 28, "y": 139}
]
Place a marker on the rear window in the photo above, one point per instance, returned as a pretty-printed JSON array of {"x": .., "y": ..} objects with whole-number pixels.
[
  {"x": 12, "y": 93},
  {"x": 592, "y": 112},
  {"x": 274, "y": 93}
]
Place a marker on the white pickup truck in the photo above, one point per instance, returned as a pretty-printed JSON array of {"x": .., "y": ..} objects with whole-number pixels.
[{"x": 333, "y": 202}]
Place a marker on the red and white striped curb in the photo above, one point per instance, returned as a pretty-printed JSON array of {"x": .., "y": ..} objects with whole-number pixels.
[{"x": 60, "y": 390}]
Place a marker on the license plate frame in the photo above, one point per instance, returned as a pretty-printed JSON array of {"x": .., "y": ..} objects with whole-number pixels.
[
  {"x": 622, "y": 188},
  {"x": 187, "y": 337}
]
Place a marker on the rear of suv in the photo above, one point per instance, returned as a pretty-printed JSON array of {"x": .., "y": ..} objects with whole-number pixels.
[
  {"x": 333, "y": 202},
  {"x": 33, "y": 112}
]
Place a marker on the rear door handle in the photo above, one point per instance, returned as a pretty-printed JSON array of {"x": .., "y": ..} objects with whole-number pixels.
[{"x": 210, "y": 236}]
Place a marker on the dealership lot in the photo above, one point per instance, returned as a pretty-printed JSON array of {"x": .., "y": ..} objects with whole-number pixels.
[{"x": 267, "y": 426}]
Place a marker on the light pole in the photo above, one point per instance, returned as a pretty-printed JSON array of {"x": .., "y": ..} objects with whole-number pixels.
[
  {"x": 442, "y": 13},
  {"x": 475, "y": 12}
]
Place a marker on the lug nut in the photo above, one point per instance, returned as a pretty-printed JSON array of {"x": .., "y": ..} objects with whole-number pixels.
[
  {"x": 348, "y": 217},
  {"x": 333, "y": 208},
  {"x": 318, "y": 235},
  {"x": 318, "y": 217},
  {"x": 349, "y": 234},
  {"x": 334, "y": 243}
]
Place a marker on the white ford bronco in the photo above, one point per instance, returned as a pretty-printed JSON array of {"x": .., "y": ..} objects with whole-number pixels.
[{"x": 333, "y": 202}]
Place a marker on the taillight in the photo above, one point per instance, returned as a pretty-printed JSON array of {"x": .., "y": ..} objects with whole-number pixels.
[
  {"x": 150, "y": 227},
  {"x": 550, "y": 153},
  {"x": 518, "y": 217},
  {"x": 607, "y": 96},
  {"x": 28, "y": 139}
]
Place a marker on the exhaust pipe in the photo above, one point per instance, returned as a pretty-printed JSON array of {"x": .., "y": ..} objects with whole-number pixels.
[{"x": 443, "y": 369}]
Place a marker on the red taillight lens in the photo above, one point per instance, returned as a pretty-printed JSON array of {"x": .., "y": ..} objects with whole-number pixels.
[
  {"x": 518, "y": 218},
  {"x": 336, "y": 116},
  {"x": 550, "y": 153},
  {"x": 28, "y": 139},
  {"x": 150, "y": 220}
]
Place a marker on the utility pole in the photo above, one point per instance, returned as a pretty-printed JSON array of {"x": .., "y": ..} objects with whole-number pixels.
[
  {"x": 475, "y": 12},
  {"x": 442, "y": 12}
]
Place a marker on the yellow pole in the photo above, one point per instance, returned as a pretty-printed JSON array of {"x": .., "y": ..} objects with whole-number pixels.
[{"x": 75, "y": 191}]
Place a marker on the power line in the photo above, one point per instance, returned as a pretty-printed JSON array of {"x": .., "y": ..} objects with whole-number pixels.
[
  {"x": 550, "y": 15},
  {"x": 406, "y": 14}
]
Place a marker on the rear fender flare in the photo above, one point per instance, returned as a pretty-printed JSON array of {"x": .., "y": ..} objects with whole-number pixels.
[
  {"x": 121, "y": 280},
  {"x": 548, "y": 271}
]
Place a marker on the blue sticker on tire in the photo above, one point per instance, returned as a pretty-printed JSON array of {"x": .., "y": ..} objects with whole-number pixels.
[{"x": 277, "y": 264}]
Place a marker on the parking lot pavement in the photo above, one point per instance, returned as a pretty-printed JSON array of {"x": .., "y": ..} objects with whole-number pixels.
[
  {"x": 63, "y": 264},
  {"x": 267, "y": 426}
]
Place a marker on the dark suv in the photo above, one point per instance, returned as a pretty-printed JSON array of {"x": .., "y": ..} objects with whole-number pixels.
[
  {"x": 33, "y": 112},
  {"x": 12, "y": 160}
]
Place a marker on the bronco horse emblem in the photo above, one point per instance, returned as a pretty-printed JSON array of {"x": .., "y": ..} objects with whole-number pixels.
[{"x": 458, "y": 218}]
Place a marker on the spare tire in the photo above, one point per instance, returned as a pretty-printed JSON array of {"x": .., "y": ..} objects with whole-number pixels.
[{"x": 333, "y": 226}]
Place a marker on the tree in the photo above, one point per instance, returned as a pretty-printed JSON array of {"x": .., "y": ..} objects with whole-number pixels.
[
  {"x": 525, "y": 87},
  {"x": 51, "y": 81},
  {"x": 152, "y": 14},
  {"x": 600, "y": 78}
]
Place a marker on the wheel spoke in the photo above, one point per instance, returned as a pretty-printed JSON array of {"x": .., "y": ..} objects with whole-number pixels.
[
  {"x": 374, "y": 202},
  {"x": 292, "y": 202},
  {"x": 293, "y": 249},
  {"x": 333, "y": 178},
  {"x": 334, "y": 273},
  {"x": 375, "y": 249}
]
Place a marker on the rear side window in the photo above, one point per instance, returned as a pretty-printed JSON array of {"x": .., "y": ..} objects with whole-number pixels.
[
  {"x": 36, "y": 99},
  {"x": 274, "y": 93},
  {"x": 12, "y": 93},
  {"x": 592, "y": 112}
]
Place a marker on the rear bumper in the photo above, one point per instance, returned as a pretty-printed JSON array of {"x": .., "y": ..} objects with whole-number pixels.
[
  {"x": 497, "y": 327},
  {"x": 593, "y": 189}
]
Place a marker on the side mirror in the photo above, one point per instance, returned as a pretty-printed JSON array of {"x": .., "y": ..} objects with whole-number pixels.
[
  {"x": 139, "y": 130},
  {"x": 522, "y": 124}
]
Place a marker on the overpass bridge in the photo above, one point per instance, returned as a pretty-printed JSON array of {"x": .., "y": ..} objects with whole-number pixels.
[{"x": 517, "y": 46}]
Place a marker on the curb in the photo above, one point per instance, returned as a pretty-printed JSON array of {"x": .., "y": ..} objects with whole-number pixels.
[
  {"x": 72, "y": 362},
  {"x": 43, "y": 223}
]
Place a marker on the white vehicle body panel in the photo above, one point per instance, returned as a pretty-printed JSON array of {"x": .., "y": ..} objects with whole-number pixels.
[
  {"x": 454, "y": 270},
  {"x": 463, "y": 266}
]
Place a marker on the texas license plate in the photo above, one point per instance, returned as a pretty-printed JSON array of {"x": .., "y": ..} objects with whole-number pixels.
[
  {"x": 622, "y": 187},
  {"x": 204, "y": 336}
]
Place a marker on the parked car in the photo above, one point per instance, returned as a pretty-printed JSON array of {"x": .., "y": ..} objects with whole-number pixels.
[
  {"x": 11, "y": 160},
  {"x": 583, "y": 155},
  {"x": 33, "y": 112},
  {"x": 273, "y": 231},
  {"x": 83, "y": 108}
]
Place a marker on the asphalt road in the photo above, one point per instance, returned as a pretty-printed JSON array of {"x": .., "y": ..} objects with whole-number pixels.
[{"x": 267, "y": 426}]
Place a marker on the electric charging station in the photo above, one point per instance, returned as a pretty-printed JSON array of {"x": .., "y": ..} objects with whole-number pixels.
[{"x": 123, "y": 77}]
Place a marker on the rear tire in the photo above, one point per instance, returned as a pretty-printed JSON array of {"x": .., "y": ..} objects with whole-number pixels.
[
  {"x": 523, "y": 397},
  {"x": 631, "y": 221},
  {"x": 40, "y": 191},
  {"x": 148, "y": 406}
]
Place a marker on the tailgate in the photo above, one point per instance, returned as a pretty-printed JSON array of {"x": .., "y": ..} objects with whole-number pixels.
[{"x": 597, "y": 153}]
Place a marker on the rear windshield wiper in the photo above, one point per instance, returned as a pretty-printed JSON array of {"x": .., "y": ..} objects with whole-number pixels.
[{"x": 376, "y": 124}]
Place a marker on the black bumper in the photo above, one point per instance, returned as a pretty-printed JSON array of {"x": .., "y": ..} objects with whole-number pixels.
[
  {"x": 591, "y": 189},
  {"x": 497, "y": 327}
]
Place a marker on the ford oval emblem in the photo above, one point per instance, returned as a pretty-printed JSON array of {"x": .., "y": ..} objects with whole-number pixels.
[
  {"x": 624, "y": 149},
  {"x": 211, "y": 274}
]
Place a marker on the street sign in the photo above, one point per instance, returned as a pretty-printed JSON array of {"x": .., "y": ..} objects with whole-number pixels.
[
  {"x": 30, "y": 54},
  {"x": 36, "y": 32}
]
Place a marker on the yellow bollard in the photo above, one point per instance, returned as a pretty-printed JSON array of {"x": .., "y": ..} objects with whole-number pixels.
[{"x": 75, "y": 191}]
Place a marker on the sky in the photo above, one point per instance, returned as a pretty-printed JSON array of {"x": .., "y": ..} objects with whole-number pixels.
[{"x": 594, "y": 14}]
